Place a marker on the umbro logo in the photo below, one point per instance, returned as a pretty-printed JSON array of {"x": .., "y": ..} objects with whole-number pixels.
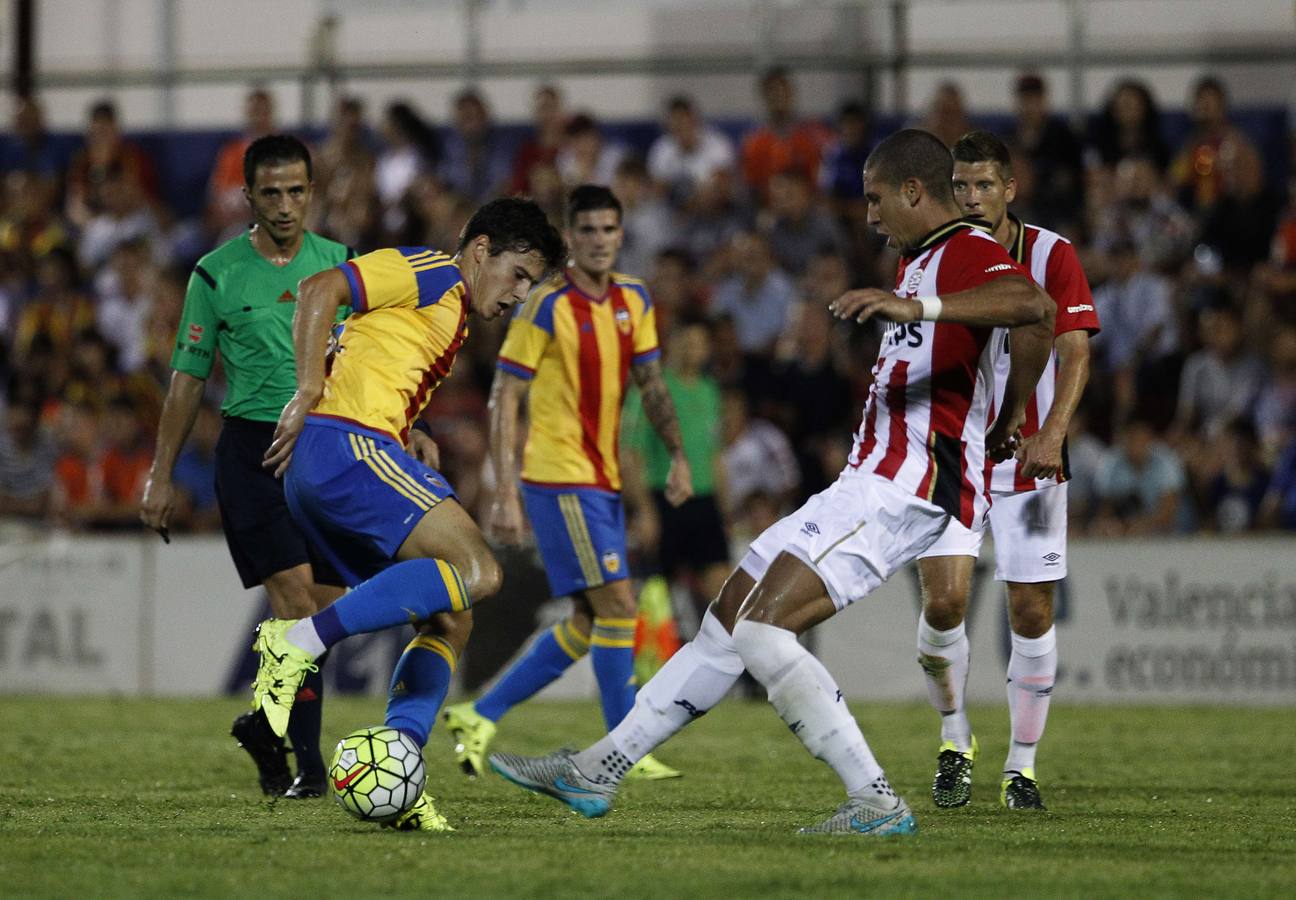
[
  {"x": 1001, "y": 267},
  {"x": 810, "y": 528},
  {"x": 1051, "y": 558}
]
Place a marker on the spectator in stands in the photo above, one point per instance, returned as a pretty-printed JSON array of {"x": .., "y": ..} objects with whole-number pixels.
[
  {"x": 688, "y": 152},
  {"x": 1143, "y": 211},
  {"x": 478, "y": 161},
  {"x": 1198, "y": 168},
  {"x": 195, "y": 475},
  {"x": 27, "y": 454},
  {"x": 675, "y": 289},
  {"x": 1086, "y": 454},
  {"x": 810, "y": 370},
  {"x": 124, "y": 302},
  {"x": 411, "y": 148},
  {"x": 647, "y": 222},
  {"x": 344, "y": 206},
  {"x": 121, "y": 468},
  {"x": 784, "y": 140},
  {"x": 757, "y": 296},
  {"x": 1278, "y": 510},
  {"x": 799, "y": 227},
  {"x": 33, "y": 149},
  {"x": 226, "y": 205},
  {"x": 1221, "y": 381},
  {"x": 59, "y": 309},
  {"x": 841, "y": 175},
  {"x": 1139, "y": 483},
  {"x": 714, "y": 219},
  {"x": 1275, "y": 279},
  {"x": 1129, "y": 125},
  {"x": 947, "y": 114},
  {"x": 1240, "y": 225},
  {"x": 586, "y": 157},
  {"x": 124, "y": 216},
  {"x": 1054, "y": 152},
  {"x": 540, "y": 149},
  {"x": 758, "y": 459},
  {"x": 30, "y": 226},
  {"x": 78, "y": 484},
  {"x": 1140, "y": 335},
  {"x": 1235, "y": 494},
  {"x": 105, "y": 149},
  {"x": 1275, "y": 410}
]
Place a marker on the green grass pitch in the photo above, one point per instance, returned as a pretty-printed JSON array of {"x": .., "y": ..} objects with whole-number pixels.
[{"x": 132, "y": 798}]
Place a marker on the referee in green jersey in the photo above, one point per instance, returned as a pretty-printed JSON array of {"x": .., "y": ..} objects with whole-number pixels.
[{"x": 240, "y": 303}]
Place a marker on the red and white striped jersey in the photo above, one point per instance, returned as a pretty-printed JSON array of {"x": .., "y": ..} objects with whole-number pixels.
[
  {"x": 925, "y": 419},
  {"x": 1053, "y": 264}
]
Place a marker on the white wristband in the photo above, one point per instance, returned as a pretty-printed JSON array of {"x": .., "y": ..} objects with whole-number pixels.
[{"x": 931, "y": 308}]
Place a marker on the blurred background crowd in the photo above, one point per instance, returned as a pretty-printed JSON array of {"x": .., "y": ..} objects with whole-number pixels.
[{"x": 744, "y": 232}]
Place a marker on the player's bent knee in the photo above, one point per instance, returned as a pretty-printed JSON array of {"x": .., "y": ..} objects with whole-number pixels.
[
  {"x": 944, "y": 611},
  {"x": 729, "y": 601},
  {"x": 1030, "y": 608},
  {"x": 613, "y": 601}
]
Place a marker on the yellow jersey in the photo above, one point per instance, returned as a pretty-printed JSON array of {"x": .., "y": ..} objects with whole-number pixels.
[
  {"x": 577, "y": 351},
  {"x": 409, "y": 319}
]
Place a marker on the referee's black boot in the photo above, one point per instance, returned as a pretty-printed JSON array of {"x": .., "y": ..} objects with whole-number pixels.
[
  {"x": 267, "y": 750},
  {"x": 306, "y": 786}
]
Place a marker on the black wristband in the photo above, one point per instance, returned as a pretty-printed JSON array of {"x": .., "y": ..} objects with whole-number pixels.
[{"x": 420, "y": 424}]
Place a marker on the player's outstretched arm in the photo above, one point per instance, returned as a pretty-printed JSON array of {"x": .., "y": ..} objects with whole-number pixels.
[
  {"x": 179, "y": 410},
  {"x": 507, "y": 391},
  {"x": 660, "y": 410},
  {"x": 1008, "y": 301},
  {"x": 318, "y": 300}
]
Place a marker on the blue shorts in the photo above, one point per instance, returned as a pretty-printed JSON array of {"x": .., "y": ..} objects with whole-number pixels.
[
  {"x": 581, "y": 536},
  {"x": 357, "y": 495}
]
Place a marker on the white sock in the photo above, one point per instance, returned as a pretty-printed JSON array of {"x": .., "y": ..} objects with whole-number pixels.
[
  {"x": 945, "y": 657},
  {"x": 1032, "y": 669},
  {"x": 807, "y": 699},
  {"x": 692, "y": 681},
  {"x": 303, "y": 636}
]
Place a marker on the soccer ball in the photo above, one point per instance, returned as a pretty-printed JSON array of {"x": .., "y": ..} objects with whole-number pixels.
[{"x": 376, "y": 773}]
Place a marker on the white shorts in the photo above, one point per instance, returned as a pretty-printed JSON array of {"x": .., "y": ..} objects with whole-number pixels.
[
  {"x": 853, "y": 535},
  {"x": 1030, "y": 536}
]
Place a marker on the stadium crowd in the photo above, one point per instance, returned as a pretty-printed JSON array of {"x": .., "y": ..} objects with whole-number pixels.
[{"x": 1188, "y": 424}]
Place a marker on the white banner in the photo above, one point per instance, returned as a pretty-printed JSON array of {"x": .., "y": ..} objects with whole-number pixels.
[{"x": 1156, "y": 621}]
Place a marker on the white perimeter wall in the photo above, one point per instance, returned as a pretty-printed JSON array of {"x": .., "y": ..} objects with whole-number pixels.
[
  {"x": 1173, "y": 621},
  {"x": 102, "y": 37}
]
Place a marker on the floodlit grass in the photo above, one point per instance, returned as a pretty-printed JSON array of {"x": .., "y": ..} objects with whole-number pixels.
[{"x": 130, "y": 798}]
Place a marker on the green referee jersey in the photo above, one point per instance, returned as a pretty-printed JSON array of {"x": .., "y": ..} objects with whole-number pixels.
[
  {"x": 241, "y": 304},
  {"x": 697, "y": 405}
]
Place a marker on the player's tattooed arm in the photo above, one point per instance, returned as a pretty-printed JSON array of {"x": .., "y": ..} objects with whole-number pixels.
[{"x": 660, "y": 410}]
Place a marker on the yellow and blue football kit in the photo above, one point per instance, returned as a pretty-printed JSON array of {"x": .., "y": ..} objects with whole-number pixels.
[
  {"x": 576, "y": 350},
  {"x": 355, "y": 491}
]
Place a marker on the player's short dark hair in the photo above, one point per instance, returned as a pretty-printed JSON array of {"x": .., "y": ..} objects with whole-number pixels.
[
  {"x": 519, "y": 225},
  {"x": 982, "y": 146},
  {"x": 913, "y": 153},
  {"x": 590, "y": 197},
  {"x": 278, "y": 149}
]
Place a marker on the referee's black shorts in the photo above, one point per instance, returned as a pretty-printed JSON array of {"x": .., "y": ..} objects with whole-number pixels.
[
  {"x": 692, "y": 534},
  {"x": 263, "y": 538}
]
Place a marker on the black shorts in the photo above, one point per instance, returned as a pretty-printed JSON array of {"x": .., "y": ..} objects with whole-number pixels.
[
  {"x": 263, "y": 538},
  {"x": 692, "y": 535}
]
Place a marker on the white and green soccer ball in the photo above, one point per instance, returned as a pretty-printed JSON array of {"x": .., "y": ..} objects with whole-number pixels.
[{"x": 376, "y": 773}]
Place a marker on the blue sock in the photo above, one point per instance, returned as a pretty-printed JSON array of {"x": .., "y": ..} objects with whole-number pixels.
[
  {"x": 612, "y": 653},
  {"x": 549, "y": 655},
  {"x": 419, "y": 686},
  {"x": 406, "y": 592}
]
